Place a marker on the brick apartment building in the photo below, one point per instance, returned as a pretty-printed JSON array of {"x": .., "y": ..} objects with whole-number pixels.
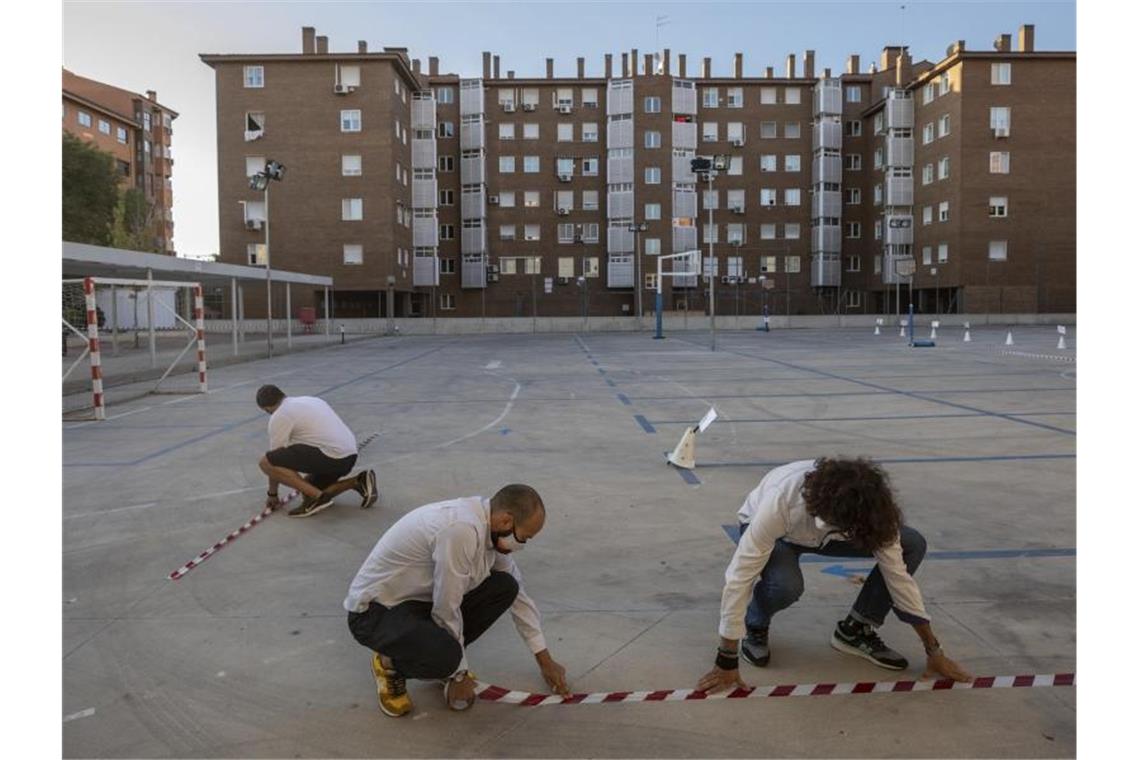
[
  {"x": 136, "y": 129},
  {"x": 429, "y": 194}
]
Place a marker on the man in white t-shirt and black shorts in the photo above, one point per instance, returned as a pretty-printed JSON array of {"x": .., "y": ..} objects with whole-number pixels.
[{"x": 307, "y": 437}]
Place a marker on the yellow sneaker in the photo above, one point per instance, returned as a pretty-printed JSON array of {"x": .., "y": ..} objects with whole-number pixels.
[{"x": 391, "y": 689}]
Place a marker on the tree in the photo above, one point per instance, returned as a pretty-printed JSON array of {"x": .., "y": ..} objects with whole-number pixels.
[
  {"x": 90, "y": 192},
  {"x": 133, "y": 226}
]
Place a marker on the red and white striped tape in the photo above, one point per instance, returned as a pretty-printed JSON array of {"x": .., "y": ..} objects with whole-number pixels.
[
  {"x": 526, "y": 699},
  {"x": 175, "y": 575},
  {"x": 200, "y": 328},
  {"x": 93, "y": 344}
]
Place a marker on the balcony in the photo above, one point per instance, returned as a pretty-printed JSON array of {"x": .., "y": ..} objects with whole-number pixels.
[
  {"x": 424, "y": 154},
  {"x": 471, "y": 170},
  {"x": 685, "y": 135},
  {"x": 684, "y": 100},
  {"x": 684, "y": 204},
  {"x": 619, "y": 97},
  {"x": 899, "y": 151},
  {"x": 825, "y": 270},
  {"x": 826, "y": 203},
  {"x": 619, "y": 204},
  {"x": 898, "y": 111},
  {"x": 473, "y": 239},
  {"x": 899, "y": 191},
  {"x": 619, "y": 271},
  {"x": 898, "y": 229},
  {"x": 619, "y": 240},
  {"x": 425, "y": 232},
  {"x": 470, "y": 97},
  {"x": 473, "y": 205},
  {"x": 425, "y": 193},
  {"x": 683, "y": 169},
  {"x": 826, "y": 169},
  {"x": 425, "y": 271},
  {"x": 619, "y": 134},
  {"x": 423, "y": 112},
  {"x": 473, "y": 270},
  {"x": 619, "y": 170},
  {"x": 827, "y": 134},
  {"x": 827, "y": 97},
  {"x": 684, "y": 239},
  {"x": 471, "y": 136},
  {"x": 827, "y": 238}
]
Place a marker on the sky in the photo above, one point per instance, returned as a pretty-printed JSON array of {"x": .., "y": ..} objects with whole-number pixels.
[{"x": 144, "y": 46}]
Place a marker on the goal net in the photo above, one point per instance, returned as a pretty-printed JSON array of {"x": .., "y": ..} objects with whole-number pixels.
[{"x": 124, "y": 339}]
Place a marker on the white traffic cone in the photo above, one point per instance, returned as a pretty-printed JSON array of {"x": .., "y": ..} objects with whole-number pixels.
[
  {"x": 966, "y": 337},
  {"x": 902, "y": 329},
  {"x": 1009, "y": 338},
  {"x": 1060, "y": 337},
  {"x": 878, "y": 322},
  {"x": 934, "y": 329},
  {"x": 684, "y": 454}
]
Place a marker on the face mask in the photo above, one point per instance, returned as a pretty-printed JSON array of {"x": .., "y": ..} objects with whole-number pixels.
[{"x": 507, "y": 543}]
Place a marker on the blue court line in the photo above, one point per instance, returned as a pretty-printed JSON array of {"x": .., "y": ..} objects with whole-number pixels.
[
  {"x": 733, "y": 533},
  {"x": 908, "y": 394},
  {"x": 601, "y": 371},
  {"x": 231, "y": 426},
  {"x": 648, "y": 428},
  {"x": 624, "y": 399},
  {"x": 688, "y": 476},
  {"x": 913, "y": 460},
  {"x": 862, "y": 419},
  {"x": 611, "y": 383}
]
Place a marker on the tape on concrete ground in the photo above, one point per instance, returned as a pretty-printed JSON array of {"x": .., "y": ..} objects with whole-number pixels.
[
  {"x": 492, "y": 693},
  {"x": 250, "y": 523}
]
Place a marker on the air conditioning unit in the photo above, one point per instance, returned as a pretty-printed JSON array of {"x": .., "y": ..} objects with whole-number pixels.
[
  {"x": 577, "y": 238},
  {"x": 529, "y": 106},
  {"x": 738, "y": 209},
  {"x": 726, "y": 280},
  {"x": 492, "y": 277},
  {"x": 563, "y": 280},
  {"x": 509, "y": 107},
  {"x": 565, "y": 109},
  {"x": 253, "y": 224},
  {"x": 341, "y": 89},
  {"x": 493, "y": 200},
  {"x": 738, "y": 143},
  {"x": 492, "y": 268},
  {"x": 565, "y": 177},
  {"x": 1001, "y": 131},
  {"x": 563, "y": 212}
]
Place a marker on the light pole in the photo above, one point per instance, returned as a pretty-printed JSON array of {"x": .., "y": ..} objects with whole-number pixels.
[
  {"x": 710, "y": 167},
  {"x": 937, "y": 302},
  {"x": 637, "y": 228},
  {"x": 273, "y": 171}
]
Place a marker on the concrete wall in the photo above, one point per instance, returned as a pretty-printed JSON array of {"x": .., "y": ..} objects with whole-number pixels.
[{"x": 670, "y": 323}]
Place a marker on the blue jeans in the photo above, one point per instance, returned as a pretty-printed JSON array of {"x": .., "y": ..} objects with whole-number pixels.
[{"x": 781, "y": 581}]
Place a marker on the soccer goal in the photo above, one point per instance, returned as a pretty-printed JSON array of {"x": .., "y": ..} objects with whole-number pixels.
[{"x": 156, "y": 314}]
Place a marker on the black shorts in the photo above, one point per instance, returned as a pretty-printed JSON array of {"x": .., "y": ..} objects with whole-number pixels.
[{"x": 321, "y": 469}]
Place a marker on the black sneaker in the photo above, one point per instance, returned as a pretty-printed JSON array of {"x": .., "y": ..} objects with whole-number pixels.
[
  {"x": 861, "y": 640},
  {"x": 310, "y": 505},
  {"x": 368, "y": 491},
  {"x": 754, "y": 647}
]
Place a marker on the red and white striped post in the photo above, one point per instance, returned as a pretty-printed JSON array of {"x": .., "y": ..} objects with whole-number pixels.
[
  {"x": 93, "y": 344},
  {"x": 200, "y": 326}
]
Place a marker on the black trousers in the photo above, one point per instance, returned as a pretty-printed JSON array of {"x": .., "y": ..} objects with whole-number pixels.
[{"x": 417, "y": 646}]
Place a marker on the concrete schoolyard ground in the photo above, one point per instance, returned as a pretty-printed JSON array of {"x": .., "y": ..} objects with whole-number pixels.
[{"x": 249, "y": 655}]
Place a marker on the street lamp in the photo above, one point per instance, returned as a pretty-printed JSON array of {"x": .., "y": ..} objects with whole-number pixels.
[
  {"x": 637, "y": 228},
  {"x": 710, "y": 167},
  {"x": 275, "y": 172}
]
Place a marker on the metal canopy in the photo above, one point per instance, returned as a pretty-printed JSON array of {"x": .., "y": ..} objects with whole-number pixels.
[{"x": 80, "y": 259}]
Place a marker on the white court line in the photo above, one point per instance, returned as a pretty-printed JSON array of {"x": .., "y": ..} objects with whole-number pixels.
[
  {"x": 112, "y": 417},
  {"x": 205, "y": 496},
  {"x": 112, "y": 511},
  {"x": 472, "y": 434},
  {"x": 81, "y": 714},
  {"x": 493, "y": 365}
]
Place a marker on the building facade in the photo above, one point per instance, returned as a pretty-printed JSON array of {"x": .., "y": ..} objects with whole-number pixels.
[
  {"x": 137, "y": 130},
  {"x": 425, "y": 193}
]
